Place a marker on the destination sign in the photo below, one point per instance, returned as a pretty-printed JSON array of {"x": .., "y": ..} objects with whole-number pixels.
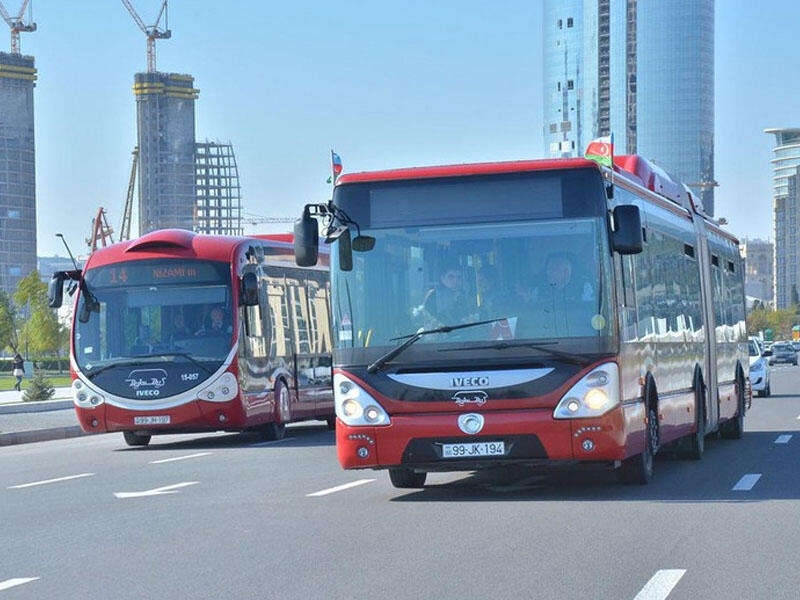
[{"x": 154, "y": 272}]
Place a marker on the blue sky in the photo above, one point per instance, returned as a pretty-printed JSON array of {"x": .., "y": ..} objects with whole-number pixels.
[{"x": 385, "y": 84}]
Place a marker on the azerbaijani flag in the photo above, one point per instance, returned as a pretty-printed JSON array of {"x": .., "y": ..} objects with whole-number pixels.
[
  {"x": 601, "y": 150},
  {"x": 336, "y": 164}
]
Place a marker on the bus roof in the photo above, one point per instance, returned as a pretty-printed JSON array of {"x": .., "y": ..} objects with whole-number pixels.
[
  {"x": 181, "y": 243},
  {"x": 488, "y": 168}
]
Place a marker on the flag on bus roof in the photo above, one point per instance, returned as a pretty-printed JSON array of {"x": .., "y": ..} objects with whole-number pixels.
[
  {"x": 336, "y": 166},
  {"x": 601, "y": 150}
]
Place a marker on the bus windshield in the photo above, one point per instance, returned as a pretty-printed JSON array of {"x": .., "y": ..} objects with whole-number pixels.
[
  {"x": 540, "y": 278},
  {"x": 154, "y": 309}
]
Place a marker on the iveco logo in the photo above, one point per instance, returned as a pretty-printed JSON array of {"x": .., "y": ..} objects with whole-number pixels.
[
  {"x": 462, "y": 382},
  {"x": 470, "y": 397}
]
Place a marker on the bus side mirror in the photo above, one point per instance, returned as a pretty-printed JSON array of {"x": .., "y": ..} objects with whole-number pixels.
[
  {"x": 249, "y": 291},
  {"x": 627, "y": 233},
  {"x": 55, "y": 290},
  {"x": 306, "y": 240}
]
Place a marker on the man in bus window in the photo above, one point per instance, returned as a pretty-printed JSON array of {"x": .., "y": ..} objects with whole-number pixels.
[
  {"x": 563, "y": 300},
  {"x": 447, "y": 301},
  {"x": 215, "y": 323}
]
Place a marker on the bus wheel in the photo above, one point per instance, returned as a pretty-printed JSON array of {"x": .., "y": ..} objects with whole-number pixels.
[
  {"x": 135, "y": 439},
  {"x": 407, "y": 478},
  {"x": 639, "y": 468},
  {"x": 283, "y": 414},
  {"x": 734, "y": 428}
]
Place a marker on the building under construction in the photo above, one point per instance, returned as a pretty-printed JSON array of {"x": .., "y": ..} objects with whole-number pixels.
[
  {"x": 166, "y": 140},
  {"x": 17, "y": 170}
]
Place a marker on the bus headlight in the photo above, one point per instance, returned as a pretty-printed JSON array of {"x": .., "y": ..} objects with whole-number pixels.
[
  {"x": 592, "y": 396},
  {"x": 354, "y": 406},
  {"x": 85, "y": 396}
]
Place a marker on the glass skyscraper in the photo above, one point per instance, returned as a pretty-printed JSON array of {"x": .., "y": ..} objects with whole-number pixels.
[
  {"x": 786, "y": 165},
  {"x": 640, "y": 69}
]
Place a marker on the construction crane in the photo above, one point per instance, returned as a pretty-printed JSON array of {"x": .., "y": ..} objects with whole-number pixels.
[
  {"x": 101, "y": 231},
  {"x": 125, "y": 228},
  {"x": 152, "y": 32},
  {"x": 257, "y": 219},
  {"x": 16, "y": 25}
]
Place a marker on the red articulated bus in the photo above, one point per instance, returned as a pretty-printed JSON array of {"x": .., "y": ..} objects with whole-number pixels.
[
  {"x": 179, "y": 332},
  {"x": 544, "y": 312}
]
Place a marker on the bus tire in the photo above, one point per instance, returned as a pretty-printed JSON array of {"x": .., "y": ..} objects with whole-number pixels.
[
  {"x": 696, "y": 442},
  {"x": 283, "y": 414},
  {"x": 639, "y": 468},
  {"x": 734, "y": 428},
  {"x": 136, "y": 439},
  {"x": 407, "y": 478}
]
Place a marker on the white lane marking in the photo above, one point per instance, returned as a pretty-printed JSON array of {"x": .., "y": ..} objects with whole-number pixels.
[
  {"x": 9, "y": 583},
  {"x": 339, "y": 488},
  {"x": 176, "y": 458},
  {"x": 783, "y": 439},
  {"x": 46, "y": 481},
  {"x": 746, "y": 483},
  {"x": 660, "y": 584},
  {"x": 167, "y": 489}
]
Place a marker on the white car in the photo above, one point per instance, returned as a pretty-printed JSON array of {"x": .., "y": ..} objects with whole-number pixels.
[{"x": 759, "y": 368}]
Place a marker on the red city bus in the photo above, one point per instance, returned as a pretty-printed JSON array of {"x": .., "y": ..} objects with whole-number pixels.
[
  {"x": 180, "y": 332},
  {"x": 545, "y": 312}
]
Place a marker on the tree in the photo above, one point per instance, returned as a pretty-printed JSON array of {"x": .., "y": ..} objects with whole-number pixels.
[
  {"x": 8, "y": 324},
  {"x": 41, "y": 330}
]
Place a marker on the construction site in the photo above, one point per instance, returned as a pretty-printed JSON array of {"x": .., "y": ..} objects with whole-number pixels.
[{"x": 175, "y": 180}]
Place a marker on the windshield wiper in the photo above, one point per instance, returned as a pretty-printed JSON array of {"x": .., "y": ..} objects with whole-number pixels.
[
  {"x": 118, "y": 362},
  {"x": 413, "y": 337},
  {"x": 187, "y": 356},
  {"x": 502, "y": 345}
]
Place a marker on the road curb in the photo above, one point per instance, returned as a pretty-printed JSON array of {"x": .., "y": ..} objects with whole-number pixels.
[
  {"x": 41, "y": 435},
  {"x": 31, "y": 407}
]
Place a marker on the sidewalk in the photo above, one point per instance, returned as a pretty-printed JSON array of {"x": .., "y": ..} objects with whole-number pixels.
[{"x": 24, "y": 422}]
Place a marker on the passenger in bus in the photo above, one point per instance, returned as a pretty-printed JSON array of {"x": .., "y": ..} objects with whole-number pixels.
[
  {"x": 179, "y": 328},
  {"x": 215, "y": 323},
  {"x": 563, "y": 302},
  {"x": 448, "y": 301}
]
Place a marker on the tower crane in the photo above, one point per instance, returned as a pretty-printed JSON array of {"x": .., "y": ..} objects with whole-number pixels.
[
  {"x": 152, "y": 32},
  {"x": 16, "y": 25}
]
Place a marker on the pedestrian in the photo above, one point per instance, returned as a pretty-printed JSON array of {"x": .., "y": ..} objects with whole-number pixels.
[{"x": 18, "y": 370}]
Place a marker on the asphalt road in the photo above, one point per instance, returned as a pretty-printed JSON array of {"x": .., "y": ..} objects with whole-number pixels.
[{"x": 228, "y": 516}]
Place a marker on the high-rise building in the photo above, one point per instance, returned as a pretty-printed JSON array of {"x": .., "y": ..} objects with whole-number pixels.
[
  {"x": 786, "y": 208},
  {"x": 642, "y": 70},
  {"x": 166, "y": 140},
  {"x": 17, "y": 170},
  {"x": 758, "y": 277}
]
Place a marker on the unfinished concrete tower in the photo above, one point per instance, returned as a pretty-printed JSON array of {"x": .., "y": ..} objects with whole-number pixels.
[
  {"x": 17, "y": 170},
  {"x": 166, "y": 140}
]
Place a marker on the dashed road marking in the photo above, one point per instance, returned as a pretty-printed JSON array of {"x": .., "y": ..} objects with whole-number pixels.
[
  {"x": 176, "y": 458},
  {"x": 746, "y": 483},
  {"x": 167, "y": 489},
  {"x": 783, "y": 439},
  {"x": 660, "y": 584},
  {"x": 339, "y": 488},
  {"x": 9, "y": 583},
  {"x": 46, "y": 481}
]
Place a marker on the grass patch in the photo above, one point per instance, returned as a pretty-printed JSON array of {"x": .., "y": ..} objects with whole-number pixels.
[{"x": 7, "y": 381}]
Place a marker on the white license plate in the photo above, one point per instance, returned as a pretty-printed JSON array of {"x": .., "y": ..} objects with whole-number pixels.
[
  {"x": 473, "y": 449},
  {"x": 152, "y": 420}
]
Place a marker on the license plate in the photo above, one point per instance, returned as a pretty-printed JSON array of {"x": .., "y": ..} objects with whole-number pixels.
[
  {"x": 152, "y": 420},
  {"x": 473, "y": 449}
]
